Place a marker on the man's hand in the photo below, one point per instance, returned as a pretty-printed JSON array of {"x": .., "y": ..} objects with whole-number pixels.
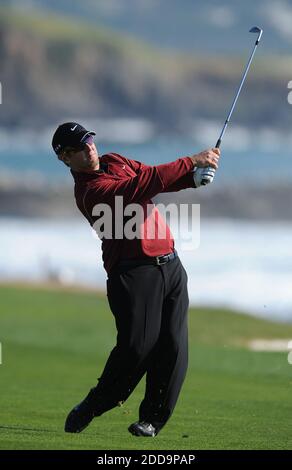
[
  {"x": 205, "y": 163},
  {"x": 206, "y": 158}
]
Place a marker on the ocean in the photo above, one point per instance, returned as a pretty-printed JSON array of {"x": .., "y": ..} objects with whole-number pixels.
[
  {"x": 256, "y": 161},
  {"x": 238, "y": 264}
]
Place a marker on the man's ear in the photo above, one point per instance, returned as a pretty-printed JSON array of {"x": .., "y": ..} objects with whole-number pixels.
[{"x": 64, "y": 160}]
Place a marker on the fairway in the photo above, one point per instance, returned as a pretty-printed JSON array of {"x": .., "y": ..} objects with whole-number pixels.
[{"x": 54, "y": 346}]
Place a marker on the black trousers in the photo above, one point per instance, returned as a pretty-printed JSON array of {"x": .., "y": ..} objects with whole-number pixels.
[{"x": 150, "y": 306}]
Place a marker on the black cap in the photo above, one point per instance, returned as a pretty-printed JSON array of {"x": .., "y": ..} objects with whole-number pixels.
[{"x": 69, "y": 134}]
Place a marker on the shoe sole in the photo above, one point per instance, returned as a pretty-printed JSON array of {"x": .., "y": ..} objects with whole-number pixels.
[
  {"x": 77, "y": 431},
  {"x": 138, "y": 433}
]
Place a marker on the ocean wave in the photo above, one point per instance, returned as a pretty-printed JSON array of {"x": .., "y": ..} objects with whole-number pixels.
[{"x": 240, "y": 265}]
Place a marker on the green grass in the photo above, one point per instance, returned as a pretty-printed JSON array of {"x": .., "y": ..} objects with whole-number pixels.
[{"x": 55, "y": 343}]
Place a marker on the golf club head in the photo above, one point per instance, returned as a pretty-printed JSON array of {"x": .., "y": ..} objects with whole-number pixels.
[{"x": 257, "y": 30}]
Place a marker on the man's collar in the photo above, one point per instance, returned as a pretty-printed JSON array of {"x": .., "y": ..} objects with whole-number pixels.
[{"x": 103, "y": 166}]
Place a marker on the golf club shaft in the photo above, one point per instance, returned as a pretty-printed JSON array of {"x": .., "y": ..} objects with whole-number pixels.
[{"x": 218, "y": 143}]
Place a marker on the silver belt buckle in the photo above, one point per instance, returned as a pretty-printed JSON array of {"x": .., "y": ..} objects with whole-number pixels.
[{"x": 159, "y": 263}]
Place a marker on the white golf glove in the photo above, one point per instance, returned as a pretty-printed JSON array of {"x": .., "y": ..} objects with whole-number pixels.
[{"x": 203, "y": 176}]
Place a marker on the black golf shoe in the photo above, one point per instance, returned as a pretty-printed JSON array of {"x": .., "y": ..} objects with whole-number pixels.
[
  {"x": 141, "y": 428},
  {"x": 82, "y": 414}
]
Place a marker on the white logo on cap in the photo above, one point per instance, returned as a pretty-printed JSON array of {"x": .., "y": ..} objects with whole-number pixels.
[{"x": 73, "y": 128}]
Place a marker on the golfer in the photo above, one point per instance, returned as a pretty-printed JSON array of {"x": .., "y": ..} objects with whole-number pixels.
[{"x": 146, "y": 285}]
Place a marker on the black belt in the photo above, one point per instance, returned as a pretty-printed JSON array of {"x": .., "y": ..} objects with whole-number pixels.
[{"x": 156, "y": 260}]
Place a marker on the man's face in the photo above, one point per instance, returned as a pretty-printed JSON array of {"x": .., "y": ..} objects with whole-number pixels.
[{"x": 81, "y": 159}]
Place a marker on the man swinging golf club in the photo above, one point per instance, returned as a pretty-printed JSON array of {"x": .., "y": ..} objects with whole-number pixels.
[{"x": 146, "y": 285}]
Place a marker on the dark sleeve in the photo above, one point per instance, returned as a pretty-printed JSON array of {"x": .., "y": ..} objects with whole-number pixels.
[
  {"x": 149, "y": 182},
  {"x": 137, "y": 166},
  {"x": 186, "y": 181}
]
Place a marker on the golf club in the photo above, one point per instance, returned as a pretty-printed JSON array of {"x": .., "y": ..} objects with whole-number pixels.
[{"x": 259, "y": 32}]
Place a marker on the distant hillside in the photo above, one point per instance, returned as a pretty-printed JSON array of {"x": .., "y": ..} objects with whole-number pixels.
[
  {"x": 206, "y": 26},
  {"x": 53, "y": 69}
]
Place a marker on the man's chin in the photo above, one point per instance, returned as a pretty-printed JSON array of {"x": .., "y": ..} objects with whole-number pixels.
[{"x": 91, "y": 165}]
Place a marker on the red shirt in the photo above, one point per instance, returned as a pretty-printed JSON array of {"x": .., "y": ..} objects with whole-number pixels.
[{"x": 137, "y": 183}]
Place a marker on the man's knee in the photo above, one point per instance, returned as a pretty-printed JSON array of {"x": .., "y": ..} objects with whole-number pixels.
[{"x": 139, "y": 351}]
